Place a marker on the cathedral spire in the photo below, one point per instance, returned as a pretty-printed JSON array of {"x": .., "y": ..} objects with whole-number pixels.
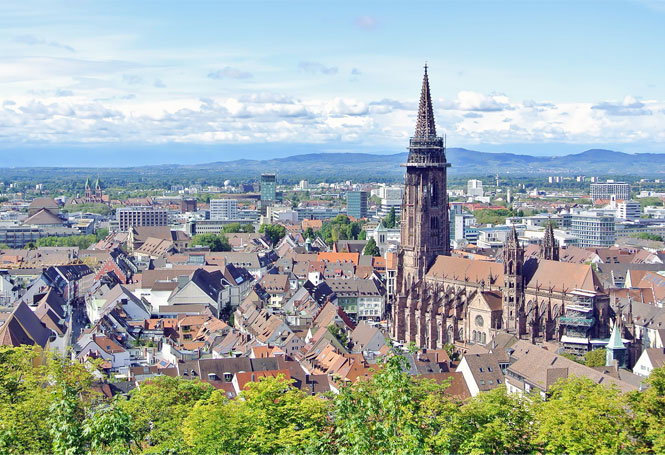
[
  {"x": 550, "y": 250},
  {"x": 425, "y": 127}
]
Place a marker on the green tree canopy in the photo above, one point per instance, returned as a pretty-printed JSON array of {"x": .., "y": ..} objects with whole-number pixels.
[
  {"x": 274, "y": 232},
  {"x": 371, "y": 249},
  {"x": 216, "y": 242}
]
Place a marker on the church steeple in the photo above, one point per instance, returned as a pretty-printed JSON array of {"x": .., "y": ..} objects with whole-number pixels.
[{"x": 425, "y": 126}]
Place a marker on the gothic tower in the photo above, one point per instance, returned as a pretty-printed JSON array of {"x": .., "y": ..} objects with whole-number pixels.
[
  {"x": 88, "y": 191},
  {"x": 550, "y": 249},
  {"x": 424, "y": 217},
  {"x": 514, "y": 319},
  {"x": 98, "y": 190},
  {"x": 424, "y": 222}
]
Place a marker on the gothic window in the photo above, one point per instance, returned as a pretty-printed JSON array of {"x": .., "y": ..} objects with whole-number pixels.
[
  {"x": 474, "y": 337},
  {"x": 434, "y": 194},
  {"x": 434, "y": 223},
  {"x": 484, "y": 340}
]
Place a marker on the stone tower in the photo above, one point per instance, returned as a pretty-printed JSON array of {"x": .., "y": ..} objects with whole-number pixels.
[
  {"x": 514, "y": 319},
  {"x": 550, "y": 249},
  {"x": 425, "y": 231},
  {"x": 424, "y": 222}
]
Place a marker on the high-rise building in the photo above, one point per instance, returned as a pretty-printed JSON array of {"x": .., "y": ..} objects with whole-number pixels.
[
  {"x": 356, "y": 204},
  {"x": 593, "y": 229},
  {"x": 268, "y": 188},
  {"x": 629, "y": 210},
  {"x": 141, "y": 216},
  {"x": 223, "y": 209},
  {"x": 474, "y": 188},
  {"x": 391, "y": 198},
  {"x": 605, "y": 190}
]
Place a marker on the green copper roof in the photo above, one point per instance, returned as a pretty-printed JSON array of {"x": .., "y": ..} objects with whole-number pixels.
[{"x": 615, "y": 340}]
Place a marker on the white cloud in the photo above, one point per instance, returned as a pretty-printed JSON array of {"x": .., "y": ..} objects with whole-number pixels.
[
  {"x": 229, "y": 73},
  {"x": 469, "y": 118}
]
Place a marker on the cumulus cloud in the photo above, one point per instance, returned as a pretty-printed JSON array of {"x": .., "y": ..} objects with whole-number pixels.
[
  {"x": 229, "y": 73},
  {"x": 316, "y": 67},
  {"x": 629, "y": 106},
  {"x": 365, "y": 22},
  {"x": 473, "y": 101},
  {"x": 468, "y": 118},
  {"x": 32, "y": 40}
]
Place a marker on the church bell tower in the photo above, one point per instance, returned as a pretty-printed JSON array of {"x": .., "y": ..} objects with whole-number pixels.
[{"x": 424, "y": 223}]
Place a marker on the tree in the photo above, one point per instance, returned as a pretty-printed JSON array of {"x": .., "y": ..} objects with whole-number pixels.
[
  {"x": 109, "y": 429},
  {"x": 238, "y": 228},
  {"x": 595, "y": 358},
  {"x": 648, "y": 413},
  {"x": 581, "y": 416},
  {"x": 390, "y": 221},
  {"x": 158, "y": 409},
  {"x": 269, "y": 416},
  {"x": 491, "y": 422},
  {"x": 371, "y": 249},
  {"x": 274, "y": 232},
  {"x": 216, "y": 242},
  {"x": 390, "y": 413}
]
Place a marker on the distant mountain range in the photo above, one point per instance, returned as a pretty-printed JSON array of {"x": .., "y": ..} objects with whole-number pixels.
[
  {"x": 595, "y": 161},
  {"x": 366, "y": 166}
]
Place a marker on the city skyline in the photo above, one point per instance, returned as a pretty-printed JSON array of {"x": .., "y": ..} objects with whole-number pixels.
[{"x": 221, "y": 81}]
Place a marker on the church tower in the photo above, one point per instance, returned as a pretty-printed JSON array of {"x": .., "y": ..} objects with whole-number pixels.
[
  {"x": 88, "y": 190},
  {"x": 550, "y": 249},
  {"x": 514, "y": 319},
  {"x": 424, "y": 222},
  {"x": 424, "y": 219}
]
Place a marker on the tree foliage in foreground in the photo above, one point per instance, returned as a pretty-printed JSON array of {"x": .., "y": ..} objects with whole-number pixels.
[{"x": 48, "y": 405}]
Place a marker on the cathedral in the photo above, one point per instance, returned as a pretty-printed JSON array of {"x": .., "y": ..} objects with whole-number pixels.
[
  {"x": 444, "y": 299},
  {"x": 95, "y": 196}
]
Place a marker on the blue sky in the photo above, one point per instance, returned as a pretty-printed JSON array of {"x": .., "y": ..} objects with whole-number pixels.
[{"x": 104, "y": 83}]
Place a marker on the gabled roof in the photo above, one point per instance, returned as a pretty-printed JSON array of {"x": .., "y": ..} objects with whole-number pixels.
[
  {"x": 23, "y": 327},
  {"x": 561, "y": 276},
  {"x": 44, "y": 218},
  {"x": 462, "y": 269}
]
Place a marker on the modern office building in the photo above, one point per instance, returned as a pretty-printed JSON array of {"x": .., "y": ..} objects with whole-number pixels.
[
  {"x": 593, "y": 229},
  {"x": 268, "y": 188},
  {"x": 474, "y": 188},
  {"x": 356, "y": 204},
  {"x": 605, "y": 190},
  {"x": 223, "y": 209},
  {"x": 141, "y": 216},
  {"x": 628, "y": 210},
  {"x": 391, "y": 197}
]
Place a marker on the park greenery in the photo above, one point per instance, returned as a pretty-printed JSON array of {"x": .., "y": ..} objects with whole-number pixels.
[
  {"x": 341, "y": 228},
  {"x": 215, "y": 242},
  {"x": 51, "y": 404},
  {"x": 100, "y": 209}
]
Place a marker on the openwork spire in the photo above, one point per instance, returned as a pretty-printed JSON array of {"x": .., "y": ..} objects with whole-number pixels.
[
  {"x": 513, "y": 239},
  {"x": 548, "y": 241},
  {"x": 425, "y": 127}
]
